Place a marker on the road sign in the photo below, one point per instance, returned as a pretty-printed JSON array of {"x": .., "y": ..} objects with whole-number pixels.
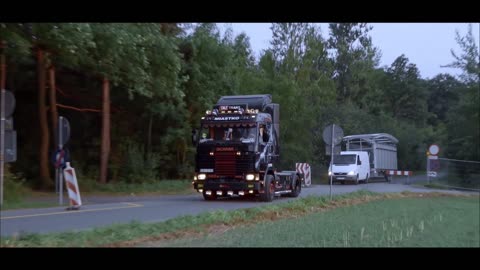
[
  {"x": 9, "y": 104},
  {"x": 432, "y": 157},
  {"x": 333, "y": 130},
  {"x": 63, "y": 131},
  {"x": 59, "y": 158},
  {"x": 434, "y": 149},
  {"x": 432, "y": 174}
]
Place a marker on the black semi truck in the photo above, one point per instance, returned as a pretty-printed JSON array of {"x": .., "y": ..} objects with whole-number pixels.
[{"x": 238, "y": 151}]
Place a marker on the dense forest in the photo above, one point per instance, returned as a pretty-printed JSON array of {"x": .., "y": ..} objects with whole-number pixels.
[{"x": 133, "y": 92}]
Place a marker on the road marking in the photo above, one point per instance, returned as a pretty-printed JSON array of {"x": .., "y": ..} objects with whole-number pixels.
[{"x": 129, "y": 205}]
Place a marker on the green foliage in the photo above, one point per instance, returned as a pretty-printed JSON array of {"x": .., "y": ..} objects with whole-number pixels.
[
  {"x": 405, "y": 93},
  {"x": 469, "y": 60},
  {"x": 463, "y": 120},
  {"x": 354, "y": 58},
  {"x": 135, "y": 168},
  {"x": 443, "y": 92},
  {"x": 14, "y": 189}
]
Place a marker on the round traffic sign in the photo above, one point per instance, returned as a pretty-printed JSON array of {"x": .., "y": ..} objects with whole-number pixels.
[
  {"x": 434, "y": 149},
  {"x": 337, "y": 134}
]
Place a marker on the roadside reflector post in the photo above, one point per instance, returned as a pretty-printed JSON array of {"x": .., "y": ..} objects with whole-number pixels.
[{"x": 72, "y": 187}]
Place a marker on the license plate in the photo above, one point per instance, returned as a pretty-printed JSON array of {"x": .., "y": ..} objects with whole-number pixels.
[{"x": 340, "y": 178}]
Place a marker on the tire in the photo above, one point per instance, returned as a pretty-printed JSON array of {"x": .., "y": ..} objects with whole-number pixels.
[
  {"x": 269, "y": 189},
  {"x": 355, "y": 182},
  {"x": 212, "y": 197},
  {"x": 366, "y": 179},
  {"x": 297, "y": 189}
]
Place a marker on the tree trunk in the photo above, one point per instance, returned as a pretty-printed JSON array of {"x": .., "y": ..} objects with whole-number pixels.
[
  {"x": 42, "y": 114},
  {"x": 53, "y": 104},
  {"x": 105, "y": 145}
]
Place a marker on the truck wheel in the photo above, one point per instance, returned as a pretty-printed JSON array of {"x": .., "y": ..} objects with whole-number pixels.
[
  {"x": 269, "y": 192},
  {"x": 296, "y": 190},
  {"x": 212, "y": 197}
]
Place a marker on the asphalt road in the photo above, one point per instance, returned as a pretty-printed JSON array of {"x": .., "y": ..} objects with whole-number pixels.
[{"x": 103, "y": 211}]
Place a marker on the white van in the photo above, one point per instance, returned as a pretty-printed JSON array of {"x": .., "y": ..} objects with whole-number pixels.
[{"x": 350, "y": 166}]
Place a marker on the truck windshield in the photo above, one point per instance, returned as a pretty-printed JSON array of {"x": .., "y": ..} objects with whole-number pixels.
[
  {"x": 344, "y": 159},
  {"x": 241, "y": 133}
]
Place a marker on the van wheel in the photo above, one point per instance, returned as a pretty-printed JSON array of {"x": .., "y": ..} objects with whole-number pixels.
[
  {"x": 269, "y": 189},
  {"x": 366, "y": 179},
  {"x": 356, "y": 181}
]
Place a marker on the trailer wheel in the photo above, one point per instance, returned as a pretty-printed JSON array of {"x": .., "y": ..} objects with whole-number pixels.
[
  {"x": 296, "y": 190},
  {"x": 212, "y": 197},
  {"x": 269, "y": 192}
]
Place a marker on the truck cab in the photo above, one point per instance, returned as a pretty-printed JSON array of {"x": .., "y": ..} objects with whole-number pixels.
[
  {"x": 353, "y": 166},
  {"x": 238, "y": 151}
]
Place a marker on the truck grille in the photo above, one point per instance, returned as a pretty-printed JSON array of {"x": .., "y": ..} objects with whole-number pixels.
[{"x": 225, "y": 163}]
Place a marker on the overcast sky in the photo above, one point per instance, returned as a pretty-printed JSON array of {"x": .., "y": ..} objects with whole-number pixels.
[{"x": 425, "y": 44}]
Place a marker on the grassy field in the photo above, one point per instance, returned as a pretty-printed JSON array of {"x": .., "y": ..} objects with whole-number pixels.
[{"x": 406, "y": 222}]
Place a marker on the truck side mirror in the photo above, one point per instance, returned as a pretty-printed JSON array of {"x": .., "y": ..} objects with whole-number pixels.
[
  {"x": 194, "y": 136},
  {"x": 359, "y": 162}
]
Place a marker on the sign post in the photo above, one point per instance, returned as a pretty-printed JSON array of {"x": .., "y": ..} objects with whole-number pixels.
[
  {"x": 2, "y": 146},
  {"x": 7, "y": 107},
  {"x": 432, "y": 154},
  {"x": 332, "y": 136},
  {"x": 60, "y": 158}
]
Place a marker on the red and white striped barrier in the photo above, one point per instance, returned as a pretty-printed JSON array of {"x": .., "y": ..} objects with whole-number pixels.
[
  {"x": 72, "y": 187},
  {"x": 400, "y": 173},
  {"x": 305, "y": 169}
]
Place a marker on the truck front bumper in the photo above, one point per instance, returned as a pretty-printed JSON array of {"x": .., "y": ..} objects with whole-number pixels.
[{"x": 224, "y": 185}]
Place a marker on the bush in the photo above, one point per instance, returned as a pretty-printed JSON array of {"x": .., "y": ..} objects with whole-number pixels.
[
  {"x": 14, "y": 187},
  {"x": 135, "y": 168}
]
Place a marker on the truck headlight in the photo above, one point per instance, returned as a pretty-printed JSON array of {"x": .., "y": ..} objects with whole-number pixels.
[
  {"x": 329, "y": 173},
  {"x": 351, "y": 173},
  {"x": 202, "y": 176},
  {"x": 250, "y": 177}
]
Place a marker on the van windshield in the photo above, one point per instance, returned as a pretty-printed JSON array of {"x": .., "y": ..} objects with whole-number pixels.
[{"x": 344, "y": 159}]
